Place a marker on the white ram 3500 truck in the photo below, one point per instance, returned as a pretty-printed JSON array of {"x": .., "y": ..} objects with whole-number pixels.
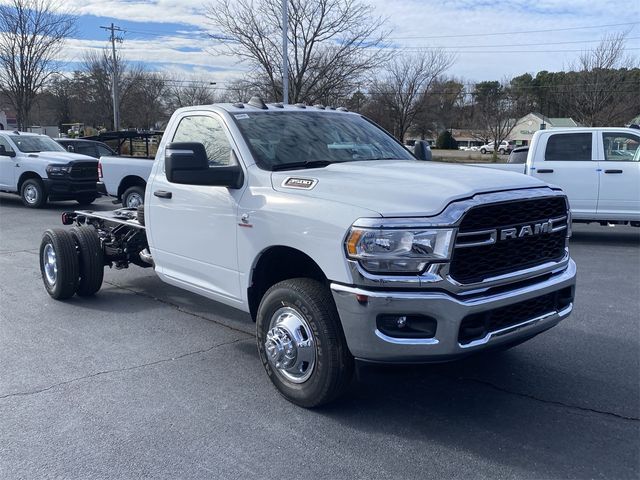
[
  {"x": 38, "y": 169},
  {"x": 339, "y": 243}
]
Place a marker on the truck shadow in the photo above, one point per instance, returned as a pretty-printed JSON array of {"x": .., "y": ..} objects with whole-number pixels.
[
  {"x": 10, "y": 201},
  {"x": 453, "y": 406},
  {"x": 606, "y": 236}
]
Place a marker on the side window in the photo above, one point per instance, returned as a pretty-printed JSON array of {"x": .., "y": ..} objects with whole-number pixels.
[
  {"x": 4, "y": 143},
  {"x": 209, "y": 132},
  {"x": 621, "y": 147},
  {"x": 86, "y": 149},
  {"x": 568, "y": 147},
  {"x": 104, "y": 152}
]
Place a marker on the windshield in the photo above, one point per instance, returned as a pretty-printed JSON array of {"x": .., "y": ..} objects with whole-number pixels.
[
  {"x": 311, "y": 139},
  {"x": 35, "y": 143}
]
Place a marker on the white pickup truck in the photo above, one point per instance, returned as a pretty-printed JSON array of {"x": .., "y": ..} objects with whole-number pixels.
[
  {"x": 598, "y": 169},
  {"x": 338, "y": 241},
  {"x": 38, "y": 169},
  {"x": 125, "y": 178}
]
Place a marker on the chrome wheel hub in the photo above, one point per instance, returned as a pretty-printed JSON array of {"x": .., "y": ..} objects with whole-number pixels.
[
  {"x": 290, "y": 346},
  {"x": 31, "y": 194},
  {"x": 50, "y": 264},
  {"x": 134, "y": 200}
]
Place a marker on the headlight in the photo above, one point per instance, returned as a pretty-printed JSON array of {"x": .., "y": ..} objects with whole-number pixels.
[
  {"x": 58, "y": 170},
  {"x": 398, "y": 251}
]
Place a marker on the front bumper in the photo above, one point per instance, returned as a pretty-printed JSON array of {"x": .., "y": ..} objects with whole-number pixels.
[
  {"x": 366, "y": 342},
  {"x": 67, "y": 189}
]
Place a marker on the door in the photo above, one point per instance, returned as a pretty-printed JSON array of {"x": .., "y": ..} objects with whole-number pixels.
[
  {"x": 7, "y": 166},
  {"x": 619, "y": 176},
  {"x": 194, "y": 227},
  {"x": 569, "y": 163}
]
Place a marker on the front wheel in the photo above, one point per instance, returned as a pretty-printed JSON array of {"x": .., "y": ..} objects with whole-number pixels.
[
  {"x": 32, "y": 193},
  {"x": 501, "y": 151},
  {"x": 483, "y": 151},
  {"x": 301, "y": 343}
]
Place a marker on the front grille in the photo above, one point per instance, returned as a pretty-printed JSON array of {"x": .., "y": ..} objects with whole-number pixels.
[
  {"x": 477, "y": 263},
  {"x": 478, "y": 325},
  {"x": 84, "y": 171}
]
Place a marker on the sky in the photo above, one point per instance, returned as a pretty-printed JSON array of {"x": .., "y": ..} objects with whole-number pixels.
[{"x": 494, "y": 39}]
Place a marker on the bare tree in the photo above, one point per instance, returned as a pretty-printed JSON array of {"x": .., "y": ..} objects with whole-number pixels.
[
  {"x": 493, "y": 113},
  {"x": 404, "y": 83},
  {"x": 32, "y": 34},
  {"x": 144, "y": 100},
  {"x": 601, "y": 88},
  {"x": 186, "y": 93},
  {"x": 333, "y": 44}
]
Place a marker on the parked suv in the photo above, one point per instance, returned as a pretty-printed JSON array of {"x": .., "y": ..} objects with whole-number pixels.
[
  {"x": 38, "y": 169},
  {"x": 504, "y": 147}
]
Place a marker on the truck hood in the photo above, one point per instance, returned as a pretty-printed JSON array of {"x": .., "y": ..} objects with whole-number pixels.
[
  {"x": 60, "y": 157},
  {"x": 398, "y": 188}
]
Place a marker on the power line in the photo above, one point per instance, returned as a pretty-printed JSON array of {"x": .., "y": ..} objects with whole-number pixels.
[
  {"x": 519, "y": 32},
  {"x": 511, "y": 44},
  {"x": 518, "y": 51}
]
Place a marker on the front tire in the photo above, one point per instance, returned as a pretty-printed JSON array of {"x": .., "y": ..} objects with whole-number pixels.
[
  {"x": 133, "y": 197},
  {"x": 483, "y": 151},
  {"x": 91, "y": 259},
  {"x": 59, "y": 264},
  {"x": 301, "y": 343},
  {"x": 33, "y": 194}
]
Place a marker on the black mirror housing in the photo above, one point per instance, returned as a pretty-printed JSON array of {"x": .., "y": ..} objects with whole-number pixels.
[
  {"x": 422, "y": 151},
  {"x": 187, "y": 163}
]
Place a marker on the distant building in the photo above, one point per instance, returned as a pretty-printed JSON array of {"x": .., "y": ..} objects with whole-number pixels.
[{"x": 526, "y": 126}]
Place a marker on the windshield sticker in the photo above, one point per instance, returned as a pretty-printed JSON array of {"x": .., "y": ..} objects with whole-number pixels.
[
  {"x": 301, "y": 183},
  {"x": 241, "y": 116}
]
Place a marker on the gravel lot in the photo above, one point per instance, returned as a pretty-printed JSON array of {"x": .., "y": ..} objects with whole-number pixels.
[{"x": 145, "y": 380}]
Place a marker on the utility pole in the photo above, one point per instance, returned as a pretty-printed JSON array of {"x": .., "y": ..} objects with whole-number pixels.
[
  {"x": 285, "y": 57},
  {"x": 114, "y": 84}
]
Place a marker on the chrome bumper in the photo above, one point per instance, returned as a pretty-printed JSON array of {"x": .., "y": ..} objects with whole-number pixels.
[{"x": 366, "y": 342}]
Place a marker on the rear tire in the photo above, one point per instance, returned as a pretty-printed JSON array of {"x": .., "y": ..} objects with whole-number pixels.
[
  {"x": 133, "y": 196},
  {"x": 59, "y": 264},
  {"x": 86, "y": 199},
  {"x": 141, "y": 215},
  {"x": 33, "y": 194},
  {"x": 91, "y": 260},
  {"x": 301, "y": 343}
]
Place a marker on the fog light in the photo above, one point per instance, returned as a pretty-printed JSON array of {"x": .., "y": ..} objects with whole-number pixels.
[{"x": 407, "y": 326}]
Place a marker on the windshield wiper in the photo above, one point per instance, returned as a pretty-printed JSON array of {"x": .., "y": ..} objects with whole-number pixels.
[{"x": 298, "y": 165}]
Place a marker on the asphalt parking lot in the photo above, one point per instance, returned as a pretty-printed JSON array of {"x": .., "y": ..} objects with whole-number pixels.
[{"x": 145, "y": 380}]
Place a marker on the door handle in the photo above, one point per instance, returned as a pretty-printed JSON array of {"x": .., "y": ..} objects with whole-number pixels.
[
  {"x": 162, "y": 194},
  {"x": 613, "y": 171},
  {"x": 545, "y": 170}
]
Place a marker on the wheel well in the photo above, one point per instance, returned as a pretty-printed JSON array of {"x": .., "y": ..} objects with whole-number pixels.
[
  {"x": 26, "y": 176},
  {"x": 130, "y": 181},
  {"x": 275, "y": 265}
]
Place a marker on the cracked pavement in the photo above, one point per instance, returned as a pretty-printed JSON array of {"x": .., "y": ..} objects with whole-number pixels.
[{"x": 147, "y": 381}]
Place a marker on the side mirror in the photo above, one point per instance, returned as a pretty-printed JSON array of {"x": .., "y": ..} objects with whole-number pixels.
[
  {"x": 70, "y": 148},
  {"x": 422, "y": 151},
  {"x": 4, "y": 153},
  {"x": 187, "y": 163}
]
